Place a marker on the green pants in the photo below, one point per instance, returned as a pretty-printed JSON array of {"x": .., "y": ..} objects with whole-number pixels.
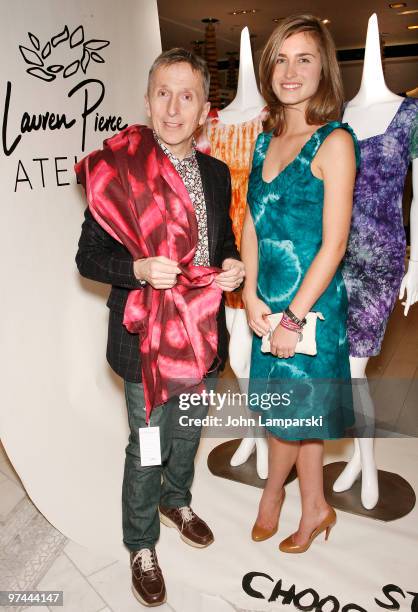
[{"x": 144, "y": 488}]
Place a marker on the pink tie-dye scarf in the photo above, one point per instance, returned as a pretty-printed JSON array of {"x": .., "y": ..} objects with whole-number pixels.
[{"x": 136, "y": 195}]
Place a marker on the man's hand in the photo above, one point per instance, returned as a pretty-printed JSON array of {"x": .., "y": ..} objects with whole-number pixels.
[
  {"x": 233, "y": 276},
  {"x": 160, "y": 272}
]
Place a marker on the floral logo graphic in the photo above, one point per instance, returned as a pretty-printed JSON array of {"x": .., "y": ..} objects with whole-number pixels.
[{"x": 47, "y": 63}]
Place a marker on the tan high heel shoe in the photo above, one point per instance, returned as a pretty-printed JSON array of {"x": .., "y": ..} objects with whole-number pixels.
[
  {"x": 289, "y": 546},
  {"x": 259, "y": 533}
]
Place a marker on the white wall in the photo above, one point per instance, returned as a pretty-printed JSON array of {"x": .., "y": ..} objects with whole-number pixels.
[{"x": 63, "y": 418}]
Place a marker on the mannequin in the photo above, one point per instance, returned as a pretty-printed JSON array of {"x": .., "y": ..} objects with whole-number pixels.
[
  {"x": 248, "y": 102},
  {"x": 370, "y": 113},
  {"x": 244, "y": 112}
]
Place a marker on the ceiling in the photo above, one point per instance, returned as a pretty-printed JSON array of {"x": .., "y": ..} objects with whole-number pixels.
[{"x": 180, "y": 22}]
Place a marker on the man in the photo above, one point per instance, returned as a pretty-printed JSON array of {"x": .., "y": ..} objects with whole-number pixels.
[{"x": 176, "y": 102}]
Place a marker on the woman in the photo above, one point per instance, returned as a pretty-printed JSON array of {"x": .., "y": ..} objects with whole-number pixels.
[{"x": 294, "y": 238}]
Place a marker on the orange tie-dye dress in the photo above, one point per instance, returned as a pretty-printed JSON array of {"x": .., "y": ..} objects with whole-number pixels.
[{"x": 232, "y": 143}]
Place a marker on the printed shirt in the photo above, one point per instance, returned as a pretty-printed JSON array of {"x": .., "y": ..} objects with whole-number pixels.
[{"x": 189, "y": 172}]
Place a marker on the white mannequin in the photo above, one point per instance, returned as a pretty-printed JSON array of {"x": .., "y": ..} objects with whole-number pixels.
[
  {"x": 246, "y": 105},
  {"x": 369, "y": 113}
]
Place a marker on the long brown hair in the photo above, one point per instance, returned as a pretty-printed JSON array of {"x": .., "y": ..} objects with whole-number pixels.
[{"x": 326, "y": 104}]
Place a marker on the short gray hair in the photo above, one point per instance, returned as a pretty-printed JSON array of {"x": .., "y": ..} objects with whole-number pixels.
[{"x": 178, "y": 55}]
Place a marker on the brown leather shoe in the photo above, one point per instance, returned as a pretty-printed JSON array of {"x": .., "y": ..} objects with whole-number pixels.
[
  {"x": 147, "y": 578},
  {"x": 193, "y": 530}
]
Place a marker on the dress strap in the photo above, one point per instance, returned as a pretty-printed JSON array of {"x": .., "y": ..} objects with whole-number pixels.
[
  {"x": 260, "y": 147},
  {"x": 318, "y": 137}
]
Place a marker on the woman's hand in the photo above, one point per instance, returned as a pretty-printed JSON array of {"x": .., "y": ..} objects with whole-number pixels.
[
  {"x": 283, "y": 342},
  {"x": 255, "y": 309}
]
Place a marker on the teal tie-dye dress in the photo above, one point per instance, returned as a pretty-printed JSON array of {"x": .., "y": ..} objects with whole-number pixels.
[{"x": 287, "y": 214}]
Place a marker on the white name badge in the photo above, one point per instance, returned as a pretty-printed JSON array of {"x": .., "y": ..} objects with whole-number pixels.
[{"x": 149, "y": 445}]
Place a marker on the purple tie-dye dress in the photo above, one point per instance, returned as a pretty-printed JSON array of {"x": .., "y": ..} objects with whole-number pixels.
[{"x": 373, "y": 266}]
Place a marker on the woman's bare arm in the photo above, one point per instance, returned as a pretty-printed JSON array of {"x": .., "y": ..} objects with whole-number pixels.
[{"x": 337, "y": 164}]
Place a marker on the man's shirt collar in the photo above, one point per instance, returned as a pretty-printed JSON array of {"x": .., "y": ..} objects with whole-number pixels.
[{"x": 175, "y": 160}]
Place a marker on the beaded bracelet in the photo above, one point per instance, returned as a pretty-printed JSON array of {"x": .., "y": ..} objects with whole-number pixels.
[
  {"x": 287, "y": 323},
  {"x": 294, "y": 318}
]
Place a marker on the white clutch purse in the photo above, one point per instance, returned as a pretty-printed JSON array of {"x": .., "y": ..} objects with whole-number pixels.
[{"x": 307, "y": 344}]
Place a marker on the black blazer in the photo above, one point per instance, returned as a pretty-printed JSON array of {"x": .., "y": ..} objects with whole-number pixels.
[{"x": 102, "y": 258}]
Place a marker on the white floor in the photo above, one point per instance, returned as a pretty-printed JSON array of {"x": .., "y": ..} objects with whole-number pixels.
[
  {"x": 90, "y": 583},
  {"x": 361, "y": 557}
]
